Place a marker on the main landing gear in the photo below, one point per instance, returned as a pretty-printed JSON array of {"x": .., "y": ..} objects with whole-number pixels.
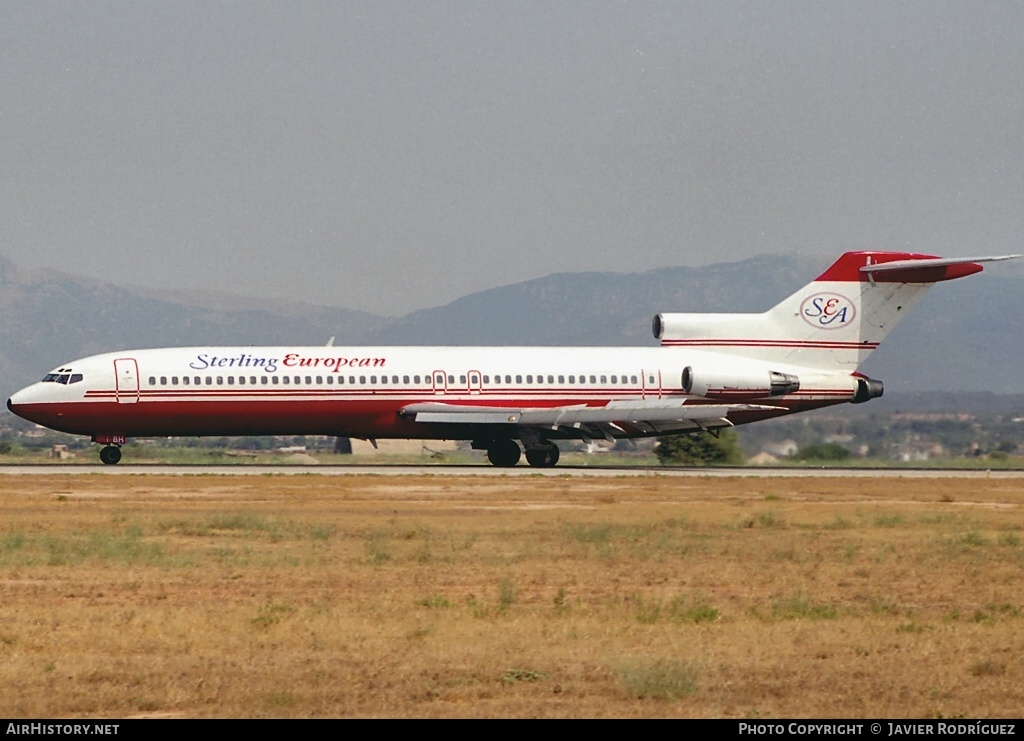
[
  {"x": 543, "y": 457},
  {"x": 506, "y": 453},
  {"x": 110, "y": 454}
]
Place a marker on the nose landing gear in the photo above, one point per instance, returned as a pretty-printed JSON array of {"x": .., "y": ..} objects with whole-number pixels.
[{"x": 110, "y": 453}]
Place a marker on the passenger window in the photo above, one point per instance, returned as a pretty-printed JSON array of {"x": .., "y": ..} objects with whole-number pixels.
[
  {"x": 519, "y": 379},
  {"x": 352, "y": 380},
  {"x": 152, "y": 380},
  {"x": 285, "y": 380},
  {"x": 241, "y": 380},
  {"x": 298, "y": 380},
  {"x": 451, "y": 380},
  {"x": 330, "y": 380},
  {"x": 362, "y": 380},
  {"x": 220, "y": 380},
  {"x": 185, "y": 380},
  {"x": 231, "y": 380},
  {"x": 209, "y": 380},
  {"x": 252, "y": 380},
  {"x": 309, "y": 380},
  {"x": 263, "y": 380},
  {"x": 632, "y": 380},
  {"x": 529, "y": 379},
  {"x": 373, "y": 379},
  {"x": 405, "y": 380},
  {"x": 163, "y": 380},
  {"x": 416, "y": 379},
  {"x": 572, "y": 379},
  {"x": 561, "y": 379}
]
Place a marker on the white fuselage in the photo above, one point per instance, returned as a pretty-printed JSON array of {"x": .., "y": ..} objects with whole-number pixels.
[{"x": 358, "y": 392}]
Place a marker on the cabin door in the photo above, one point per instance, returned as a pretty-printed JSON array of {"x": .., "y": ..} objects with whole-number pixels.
[
  {"x": 126, "y": 379},
  {"x": 651, "y": 382}
]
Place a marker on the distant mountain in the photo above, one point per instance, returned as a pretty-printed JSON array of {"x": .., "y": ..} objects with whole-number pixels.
[
  {"x": 599, "y": 308},
  {"x": 47, "y": 318},
  {"x": 963, "y": 336}
]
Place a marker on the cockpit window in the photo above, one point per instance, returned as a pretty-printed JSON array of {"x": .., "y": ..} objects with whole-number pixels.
[{"x": 64, "y": 376}]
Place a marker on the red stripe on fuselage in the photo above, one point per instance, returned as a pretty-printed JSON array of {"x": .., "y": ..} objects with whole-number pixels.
[{"x": 808, "y": 344}]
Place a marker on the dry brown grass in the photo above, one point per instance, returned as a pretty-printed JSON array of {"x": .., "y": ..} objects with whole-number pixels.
[{"x": 457, "y": 596}]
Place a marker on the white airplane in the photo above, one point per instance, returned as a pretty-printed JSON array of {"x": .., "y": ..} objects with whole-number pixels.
[{"x": 711, "y": 371}]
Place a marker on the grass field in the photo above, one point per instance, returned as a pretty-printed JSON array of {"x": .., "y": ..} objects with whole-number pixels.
[{"x": 296, "y": 596}]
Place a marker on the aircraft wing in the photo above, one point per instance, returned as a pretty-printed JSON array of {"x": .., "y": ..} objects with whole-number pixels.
[{"x": 653, "y": 414}]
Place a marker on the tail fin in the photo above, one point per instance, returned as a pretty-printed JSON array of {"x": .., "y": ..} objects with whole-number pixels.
[{"x": 832, "y": 323}]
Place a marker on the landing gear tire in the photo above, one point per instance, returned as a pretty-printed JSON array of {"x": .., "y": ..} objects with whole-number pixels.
[
  {"x": 110, "y": 455},
  {"x": 504, "y": 453},
  {"x": 544, "y": 457}
]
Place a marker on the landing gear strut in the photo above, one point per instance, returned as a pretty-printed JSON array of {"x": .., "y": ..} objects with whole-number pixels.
[
  {"x": 542, "y": 457},
  {"x": 503, "y": 453},
  {"x": 110, "y": 454}
]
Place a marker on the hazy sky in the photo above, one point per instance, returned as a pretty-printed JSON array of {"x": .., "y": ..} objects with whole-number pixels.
[{"x": 389, "y": 156}]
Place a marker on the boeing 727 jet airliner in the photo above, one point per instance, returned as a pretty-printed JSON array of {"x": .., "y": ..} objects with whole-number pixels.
[{"x": 711, "y": 371}]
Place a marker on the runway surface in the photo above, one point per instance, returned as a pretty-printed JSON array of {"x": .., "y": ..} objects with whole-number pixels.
[{"x": 558, "y": 472}]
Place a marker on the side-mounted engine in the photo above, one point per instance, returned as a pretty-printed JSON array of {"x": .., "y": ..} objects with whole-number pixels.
[{"x": 743, "y": 384}]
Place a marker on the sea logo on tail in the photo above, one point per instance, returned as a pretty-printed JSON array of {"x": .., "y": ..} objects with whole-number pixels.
[{"x": 828, "y": 310}]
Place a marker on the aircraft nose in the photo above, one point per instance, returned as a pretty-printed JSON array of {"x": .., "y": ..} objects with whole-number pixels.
[{"x": 15, "y": 401}]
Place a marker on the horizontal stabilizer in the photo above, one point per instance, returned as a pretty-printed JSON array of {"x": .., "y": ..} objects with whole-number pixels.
[{"x": 929, "y": 269}]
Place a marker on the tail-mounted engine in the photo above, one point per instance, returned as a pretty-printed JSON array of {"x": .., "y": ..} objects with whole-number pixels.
[
  {"x": 867, "y": 389},
  {"x": 739, "y": 385}
]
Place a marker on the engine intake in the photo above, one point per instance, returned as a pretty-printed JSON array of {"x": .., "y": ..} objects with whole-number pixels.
[{"x": 739, "y": 385}]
